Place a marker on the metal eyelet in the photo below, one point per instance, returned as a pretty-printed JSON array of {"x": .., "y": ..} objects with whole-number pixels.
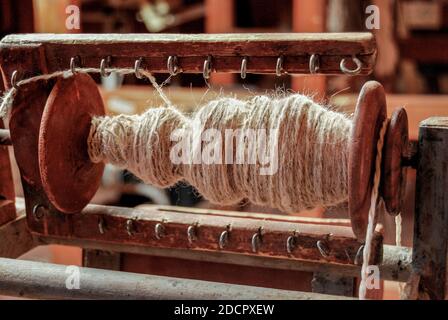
[
  {"x": 244, "y": 68},
  {"x": 192, "y": 233},
  {"x": 73, "y": 62},
  {"x": 130, "y": 227},
  {"x": 279, "y": 66},
  {"x": 171, "y": 65},
  {"x": 159, "y": 231},
  {"x": 137, "y": 66},
  {"x": 224, "y": 238},
  {"x": 348, "y": 71},
  {"x": 105, "y": 63},
  {"x": 14, "y": 80},
  {"x": 101, "y": 227},
  {"x": 323, "y": 248},
  {"x": 256, "y": 241},
  {"x": 291, "y": 243},
  {"x": 359, "y": 256},
  {"x": 314, "y": 63},
  {"x": 39, "y": 214},
  {"x": 207, "y": 68}
]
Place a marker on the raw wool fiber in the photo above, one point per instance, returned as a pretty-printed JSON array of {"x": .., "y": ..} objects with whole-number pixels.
[{"x": 312, "y": 149}]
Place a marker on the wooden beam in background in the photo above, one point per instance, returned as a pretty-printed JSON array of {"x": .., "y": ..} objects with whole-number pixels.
[
  {"x": 219, "y": 18},
  {"x": 50, "y": 15},
  {"x": 309, "y": 16}
]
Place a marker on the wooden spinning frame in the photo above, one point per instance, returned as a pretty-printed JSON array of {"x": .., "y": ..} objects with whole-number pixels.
[{"x": 50, "y": 123}]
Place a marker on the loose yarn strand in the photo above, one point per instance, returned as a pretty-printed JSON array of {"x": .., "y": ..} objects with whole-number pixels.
[
  {"x": 372, "y": 214},
  {"x": 9, "y": 95},
  {"x": 398, "y": 229},
  {"x": 398, "y": 239}
]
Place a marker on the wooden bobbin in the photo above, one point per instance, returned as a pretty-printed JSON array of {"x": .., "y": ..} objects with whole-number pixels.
[
  {"x": 369, "y": 116},
  {"x": 393, "y": 179},
  {"x": 69, "y": 178}
]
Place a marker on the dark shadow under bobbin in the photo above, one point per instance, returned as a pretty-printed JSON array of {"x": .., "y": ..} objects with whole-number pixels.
[
  {"x": 369, "y": 116},
  {"x": 69, "y": 178},
  {"x": 393, "y": 173}
]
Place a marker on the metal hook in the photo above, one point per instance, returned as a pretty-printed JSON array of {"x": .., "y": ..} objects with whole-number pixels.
[
  {"x": 244, "y": 68},
  {"x": 38, "y": 214},
  {"x": 314, "y": 63},
  {"x": 192, "y": 233},
  {"x": 256, "y": 240},
  {"x": 101, "y": 228},
  {"x": 73, "y": 61},
  {"x": 14, "y": 76},
  {"x": 137, "y": 66},
  {"x": 103, "y": 65},
  {"x": 348, "y": 71},
  {"x": 323, "y": 248},
  {"x": 159, "y": 231},
  {"x": 279, "y": 66},
  {"x": 207, "y": 68},
  {"x": 130, "y": 228},
  {"x": 359, "y": 255},
  {"x": 291, "y": 243},
  {"x": 224, "y": 237},
  {"x": 171, "y": 65}
]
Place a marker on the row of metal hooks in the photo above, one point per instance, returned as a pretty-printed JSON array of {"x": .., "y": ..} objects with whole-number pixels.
[
  {"x": 192, "y": 235},
  {"x": 174, "y": 69}
]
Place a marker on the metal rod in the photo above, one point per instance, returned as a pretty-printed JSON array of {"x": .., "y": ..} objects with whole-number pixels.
[{"x": 30, "y": 279}]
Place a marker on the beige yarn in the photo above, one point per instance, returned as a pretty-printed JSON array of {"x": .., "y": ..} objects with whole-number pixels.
[{"x": 312, "y": 144}]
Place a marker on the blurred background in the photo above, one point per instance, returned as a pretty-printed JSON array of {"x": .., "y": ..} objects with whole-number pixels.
[{"x": 412, "y": 65}]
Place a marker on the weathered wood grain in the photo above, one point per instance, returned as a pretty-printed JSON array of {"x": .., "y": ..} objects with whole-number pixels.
[
  {"x": 431, "y": 209},
  {"x": 226, "y": 50},
  {"x": 343, "y": 245}
]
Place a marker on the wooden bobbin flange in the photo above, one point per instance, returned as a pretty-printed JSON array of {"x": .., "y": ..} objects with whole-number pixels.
[
  {"x": 369, "y": 116},
  {"x": 69, "y": 178},
  {"x": 393, "y": 178}
]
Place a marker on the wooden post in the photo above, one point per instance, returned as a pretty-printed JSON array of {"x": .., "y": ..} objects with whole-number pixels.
[
  {"x": 50, "y": 16},
  {"x": 219, "y": 18},
  {"x": 431, "y": 209},
  {"x": 101, "y": 259},
  {"x": 7, "y": 194},
  {"x": 309, "y": 16}
]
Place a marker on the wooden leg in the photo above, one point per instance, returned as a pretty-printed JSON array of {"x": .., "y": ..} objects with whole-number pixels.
[
  {"x": 100, "y": 259},
  {"x": 219, "y": 18},
  {"x": 308, "y": 16},
  {"x": 431, "y": 209},
  {"x": 333, "y": 284},
  {"x": 7, "y": 195}
]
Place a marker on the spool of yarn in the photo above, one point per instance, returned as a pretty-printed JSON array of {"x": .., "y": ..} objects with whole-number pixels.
[{"x": 298, "y": 160}]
